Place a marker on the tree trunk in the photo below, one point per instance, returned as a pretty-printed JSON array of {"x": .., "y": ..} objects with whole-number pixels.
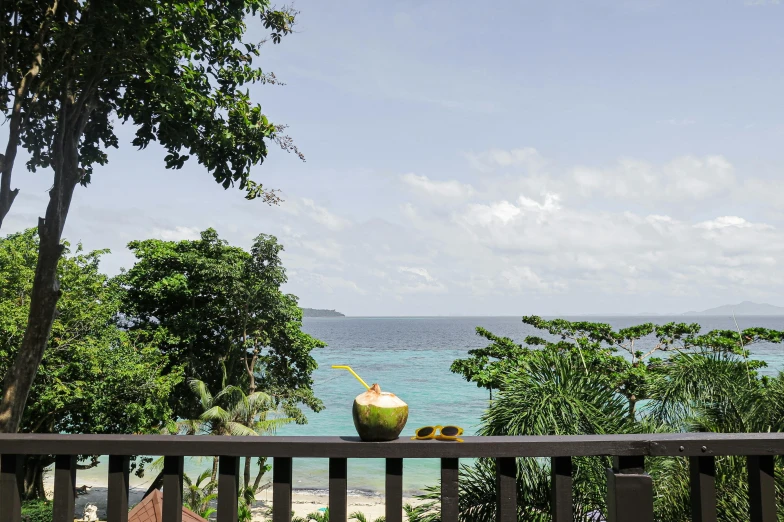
[
  {"x": 156, "y": 484},
  {"x": 246, "y": 474},
  {"x": 26, "y": 85},
  {"x": 214, "y": 469},
  {"x": 7, "y": 195},
  {"x": 262, "y": 463},
  {"x": 46, "y": 287},
  {"x": 34, "y": 479}
]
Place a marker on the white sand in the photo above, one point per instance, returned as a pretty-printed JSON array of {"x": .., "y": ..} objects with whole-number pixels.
[{"x": 303, "y": 503}]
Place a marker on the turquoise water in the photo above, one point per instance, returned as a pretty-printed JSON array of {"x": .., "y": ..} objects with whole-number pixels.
[{"x": 411, "y": 357}]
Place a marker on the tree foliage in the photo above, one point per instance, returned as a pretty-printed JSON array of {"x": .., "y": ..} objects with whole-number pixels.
[
  {"x": 177, "y": 71},
  {"x": 94, "y": 377},
  {"x": 211, "y": 306},
  {"x": 585, "y": 378}
]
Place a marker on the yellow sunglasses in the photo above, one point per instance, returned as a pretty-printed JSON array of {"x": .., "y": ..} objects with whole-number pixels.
[{"x": 439, "y": 433}]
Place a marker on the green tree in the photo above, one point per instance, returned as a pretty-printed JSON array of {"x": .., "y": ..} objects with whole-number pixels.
[
  {"x": 197, "y": 497},
  {"x": 571, "y": 381},
  {"x": 627, "y": 358},
  {"x": 94, "y": 378},
  {"x": 218, "y": 309},
  {"x": 232, "y": 412},
  {"x": 176, "y": 70}
]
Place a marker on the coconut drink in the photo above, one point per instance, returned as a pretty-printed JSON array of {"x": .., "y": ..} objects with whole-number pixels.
[{"x": 378, "y": 416}]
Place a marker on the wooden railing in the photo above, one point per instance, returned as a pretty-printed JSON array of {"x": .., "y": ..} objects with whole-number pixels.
[{"x": 629, "y": 496}]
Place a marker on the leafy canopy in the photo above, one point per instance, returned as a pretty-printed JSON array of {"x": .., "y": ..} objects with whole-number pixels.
[
  {"x": 178, "y": 71},
  {"x": 571, "y": 381},
  {"x": 94, "y": 378},
  {"x": 211, "y": 306},
  {"x": 628, "y": 359}
]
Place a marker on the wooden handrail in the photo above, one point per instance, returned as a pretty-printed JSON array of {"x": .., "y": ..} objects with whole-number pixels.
[
  {"x": 630, "y": 492},
  {"x": 658, "y": 444}
]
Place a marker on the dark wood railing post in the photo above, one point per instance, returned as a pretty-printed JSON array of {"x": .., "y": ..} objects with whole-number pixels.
[
  {"x": 281, "y": 489},
  {"x": 762, "y": 489},
  {"x": 11, "y": 484},
  {"x": 228, "y": 486},
  {"x": 64, "y": 488},
  {"x": 629, "y": 491},
  {"x": 117, "y": 497},
  {"x": 449, "y": 490},
  {"x": 561, "y": 488},
  {"x": 506, "y": 489},
  {"x": 394, "y": 491},
  {"x": 172, "y": 489},
  {"x": 702, "y": 472},
  {"x": 338, "y": 471}
]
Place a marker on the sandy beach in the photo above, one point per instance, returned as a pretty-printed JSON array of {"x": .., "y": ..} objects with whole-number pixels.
[{"x": 303, "y": 502}]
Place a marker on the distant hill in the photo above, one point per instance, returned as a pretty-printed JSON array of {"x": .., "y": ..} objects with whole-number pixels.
[
  {"x": 314, "y": 312},
  {"x": 744, "y": 308}
]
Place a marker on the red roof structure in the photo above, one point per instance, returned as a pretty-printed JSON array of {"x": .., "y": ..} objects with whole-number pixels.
[{"x": 149, "y": 510}]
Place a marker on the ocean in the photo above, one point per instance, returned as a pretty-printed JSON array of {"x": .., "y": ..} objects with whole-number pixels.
[{"x": 411, "y": 356}]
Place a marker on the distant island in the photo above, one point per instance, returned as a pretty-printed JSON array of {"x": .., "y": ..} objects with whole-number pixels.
[
  {"x": 744, "y": 308},
  {"x": 315, "y": 312}
]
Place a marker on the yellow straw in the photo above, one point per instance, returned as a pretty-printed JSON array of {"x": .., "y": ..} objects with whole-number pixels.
[{"x": 352, "y": 373}]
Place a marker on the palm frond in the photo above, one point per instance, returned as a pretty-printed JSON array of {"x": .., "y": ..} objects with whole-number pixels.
[
  {"x": 202, "y": 393},
  {"x": 239, "y": 429},
  {"x": 216, "y": 413}
]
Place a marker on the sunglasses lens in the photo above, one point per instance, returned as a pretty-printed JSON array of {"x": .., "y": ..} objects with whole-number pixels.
[
  {"x": 450, "y": 431},
  {"x": 424, "y": 432}
]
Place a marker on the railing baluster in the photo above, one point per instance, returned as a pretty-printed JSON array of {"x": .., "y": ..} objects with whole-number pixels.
[
  {"x": 281, "y": 489},
  {"x": 64, "y": 488},
  {"x": 762, "y": 489},
  {"x": 172, "y": 489},
  {"x": 228, "y": 485},
  {"x": 338, "y": 471},
  {"x": 561, "y": 488},
  {"x": 629, "y": 491},
  {"x": 11, "y": 483},
  {"x": 449, "y": 490},
  {"x": 702, "y": 471},
  {"x": 117, "y": 497},
  {"x": 506, "y": 489},
  {"x": 394, "y": 491}
]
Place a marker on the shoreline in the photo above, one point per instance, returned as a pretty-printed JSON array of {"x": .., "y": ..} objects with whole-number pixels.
[{"x": 303, "y": 501}]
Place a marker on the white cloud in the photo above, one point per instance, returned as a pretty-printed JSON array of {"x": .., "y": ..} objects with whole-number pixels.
[
  {"x": 684, "y": 178},
  {"x": 422, "y": 272},
  {"x": 177, "y": 233},
  {"x": 323, "y": 216},
  {"x": 549, "y": 205},
  {"x": 524, "y": 278},
  {"x": 527, "y": 158},
  {"x": 556, "y": 237},
  {"x": 440, "y": 189},
  {"x": 501, "y": 212},
  {"x": 724, "y": 222}
]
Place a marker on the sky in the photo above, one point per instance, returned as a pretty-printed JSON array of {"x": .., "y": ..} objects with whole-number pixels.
[{"x": 492, "y": 158}]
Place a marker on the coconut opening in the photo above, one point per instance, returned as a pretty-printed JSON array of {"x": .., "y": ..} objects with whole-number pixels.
[{"x": 374, "y": 396}]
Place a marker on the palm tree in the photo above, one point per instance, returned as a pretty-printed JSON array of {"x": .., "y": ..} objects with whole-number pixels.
[
  {"x": 231, "y": 412},
  {"x": 196, "y": 497},
  {"x": 550, "y": 394}
]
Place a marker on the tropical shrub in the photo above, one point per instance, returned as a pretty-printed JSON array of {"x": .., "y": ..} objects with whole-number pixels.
[{"x": 586, "y": 378}]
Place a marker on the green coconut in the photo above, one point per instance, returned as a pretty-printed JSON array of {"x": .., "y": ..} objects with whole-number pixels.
[{"x": 379, "y": 416}]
